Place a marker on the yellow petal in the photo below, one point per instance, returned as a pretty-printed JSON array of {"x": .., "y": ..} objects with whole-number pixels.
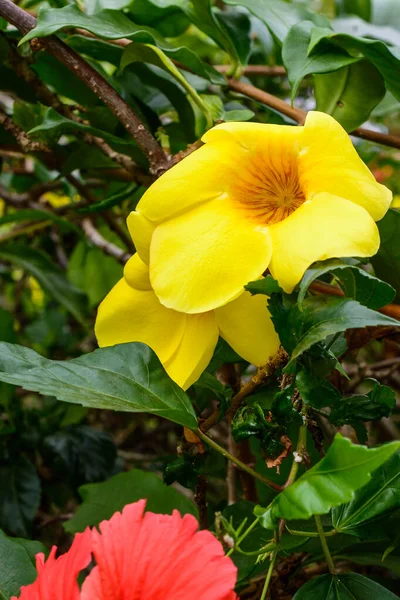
[
  {"x": 326, "y": 227},
  {"x": 195, "y": 350},
  {"x": 128, "y": 315},
  {"x": 328, "y": 162},
  {"x": 141, "y": 230},
  {"x": 246, "y": 325},
  {"x": 202, "y": 259},
  {"x": 199, "y": 177},
  {"x": 253, "y": 136},
  {"x": 136, "y": 274}
]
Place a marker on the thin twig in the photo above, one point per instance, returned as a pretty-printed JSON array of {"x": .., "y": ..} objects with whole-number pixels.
[
  {"x": 262, "y": 374},
  {"x": 299, "y": 115},
  {"x": 107, "y": 247},
  {"x": 25, "y": 22}
]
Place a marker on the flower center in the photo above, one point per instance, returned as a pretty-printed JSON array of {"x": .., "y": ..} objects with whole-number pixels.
[{"x": 268, "y": 188}]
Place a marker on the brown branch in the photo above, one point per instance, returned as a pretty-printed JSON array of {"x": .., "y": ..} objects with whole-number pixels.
[
  {"x": 299, "y": 115},
  {"x": 273, "y": 71},
  {"x": 83, "y": 190},
  {"x": 21, "y": 67},
  {"x": 107, "y": 247},
  {"x": 24, "y": 22},
  {"x": 22, "y": 138},
  {"x": 259, "y": 378},
  {"x": 201, "y": 502}
]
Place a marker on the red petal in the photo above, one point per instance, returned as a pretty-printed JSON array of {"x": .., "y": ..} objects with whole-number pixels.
[
  {"x": 157, "y": 557},
  {"x": 57, "y": 577}
]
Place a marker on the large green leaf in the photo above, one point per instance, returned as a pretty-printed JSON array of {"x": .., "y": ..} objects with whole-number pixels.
[
  {"x": 346, "y": 586},
  {"x": 385, "y": 58},
  {"x": 279, "y": 16},
  {"x": 19, "y": 495},
  {"x": 101, "y": 500},
  {"x": 299, "y": 64},
  {"x": 328, "y": 316},
  {"x": 331, "y": 482},
  {"x": 379, "y": 498},
  {"x": 16, "y": 568},
  {"x": 350, "y": 94},
  {"x": 127, "y": 377},
  {"x": 113, "y": 25},
  {"x": 387, "y": 261},
  {"x": 80, "y": 454},
  {"x": 356, "y": 283},
  {"x": 49, "y": 276},
  {"x": 300, "y": 327}
]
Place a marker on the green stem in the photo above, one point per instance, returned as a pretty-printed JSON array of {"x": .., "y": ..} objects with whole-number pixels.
[
  {"x": 263, "y": 550},
  {"x": 269, "y": 575},
  {"x": 301, "y": 446},
  {"x": 323, "y": 413},
  {"x": 239, "y": 463},
  {"x": 244, "y": 535},
  {"x": 310, "y": 533},
  {"x": 333, "y": 340},
  {"x": 324, "y": 545}
]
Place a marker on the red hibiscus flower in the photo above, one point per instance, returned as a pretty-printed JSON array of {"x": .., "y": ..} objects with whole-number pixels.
[
  {"x": 139, "y": 556},
  {"x": 157, "y": 557}
]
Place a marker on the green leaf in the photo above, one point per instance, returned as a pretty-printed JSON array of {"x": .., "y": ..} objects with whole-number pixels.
[
  {"x": 378, "y": 499},
  {"x": 113, "y": 25},
  {"x": 378, "y": 403},
  {"x": 350, "y": 94},
  {"x": 54, "y": 125},
  {"x": 19, "y": 495},
  {"x": 346, "y": 586},
  {"x": 101, "y": 500},
  {"x": 385, "y": 58},
  {"x": 16, "y": 568},
  {"x": 331, "y": 482},
  {"x": 387, "y": 261},
  {"x": 147, "y": 53},
  {"x": 163, "y": 15},
  {"x": 279, "y": 16},
  {"x": 237, "y": 25},
  {"x": 315, "y": 390},
  {"x": 267, "y": 286},
  {"x": 30, "y": 214},
  {"x": 90, "y": 270},
  {"x": 201, "y": 14},
  {"x": 127, "y": 377},
  {"x": 49, "y": 276},
  {"x": 326, "y": 316},
  {"x": 299, "y": 64},
  {"x": 80, "y": 454},
  {"x": 361, "y": 8},
  {"x": 238, "y": 115},
  {"x": 366, "y": 289},
  {"x": 110, "y": 201}
]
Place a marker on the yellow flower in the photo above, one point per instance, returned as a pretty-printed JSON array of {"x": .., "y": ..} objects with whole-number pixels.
[
  {"x": 254, "y": 197},
  {"x": 184, "y": 343}
]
